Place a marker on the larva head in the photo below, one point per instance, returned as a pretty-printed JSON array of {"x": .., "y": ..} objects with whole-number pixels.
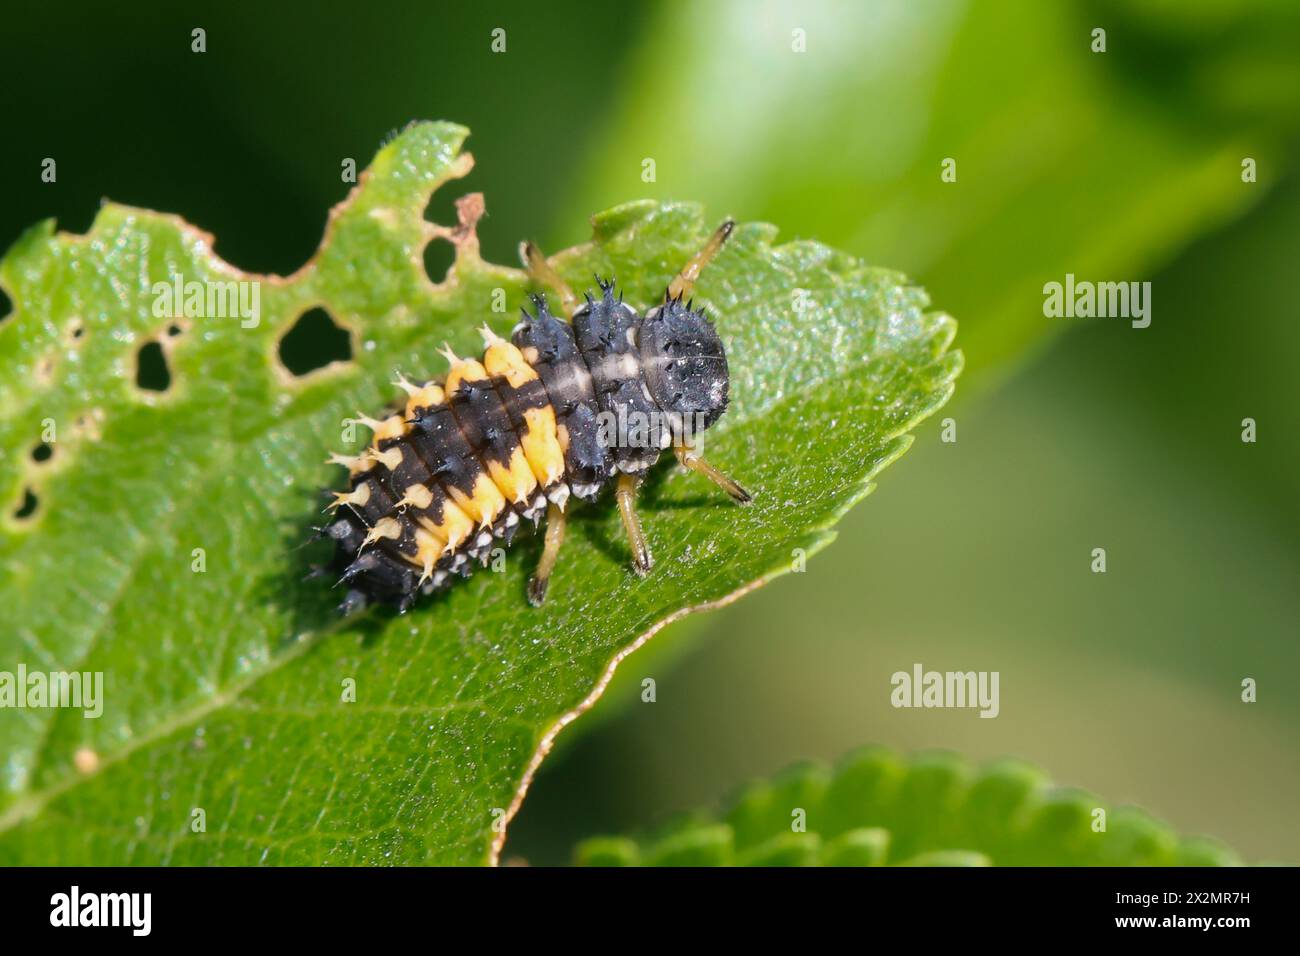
[{"x": 685, "y": 364}]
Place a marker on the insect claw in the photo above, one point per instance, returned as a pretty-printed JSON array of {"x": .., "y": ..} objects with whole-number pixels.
[{"x": 537, "y": 591}]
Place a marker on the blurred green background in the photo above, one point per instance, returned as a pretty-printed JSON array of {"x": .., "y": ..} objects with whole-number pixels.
[{"x": 1072, "y": 434}]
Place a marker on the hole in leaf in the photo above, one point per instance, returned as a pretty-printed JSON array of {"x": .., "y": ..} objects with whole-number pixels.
[
  {"x": 439, "y": 255},
  {"x": 441, "y": 207},
  {"x": 42, "y": 452},
  {"x": 151, "y": 371},
  {"x": 76, "y": 329},
  {"x": 174, "y": 330},
  {"x": 28, "y": 507},
  {"x": 6, "y": 306},
  {"x": 315, "y": 341}
]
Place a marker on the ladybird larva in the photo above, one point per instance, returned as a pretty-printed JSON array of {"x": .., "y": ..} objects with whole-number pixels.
[{"x": 560, "y": 410}]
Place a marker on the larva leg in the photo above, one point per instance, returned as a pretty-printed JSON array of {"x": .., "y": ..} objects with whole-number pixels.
[
  {"x": 550, "y": 552},
  {"x": 541, "y": 272},
  {"x": 691, "y": 460},
  {"x": 684, "y": 282},
  {"x": 625, "y": 494}
]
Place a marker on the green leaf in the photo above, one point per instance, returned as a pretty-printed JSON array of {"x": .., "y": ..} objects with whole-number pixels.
[
  {"x": 163, "y": 549},
  {"x": 876, "y": 808}
]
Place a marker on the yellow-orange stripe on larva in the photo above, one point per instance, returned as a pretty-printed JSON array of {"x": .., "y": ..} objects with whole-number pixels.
[
  {"x": 454, "y": 528},
  {"x": 389, "y": 528},
  {"x": 540, "y": 443},
  {"x": 482, "y": 506},
  {"x": 355, "y": 464},
  {"x": 394, "y": 426},
  {"x": 357, "y": 496},
  {"x": 428, "y": 395},
  {"x": 429, "y": 548},
  {"x": 513, "y": 480},
  {"x": 418, "y": 496}
]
